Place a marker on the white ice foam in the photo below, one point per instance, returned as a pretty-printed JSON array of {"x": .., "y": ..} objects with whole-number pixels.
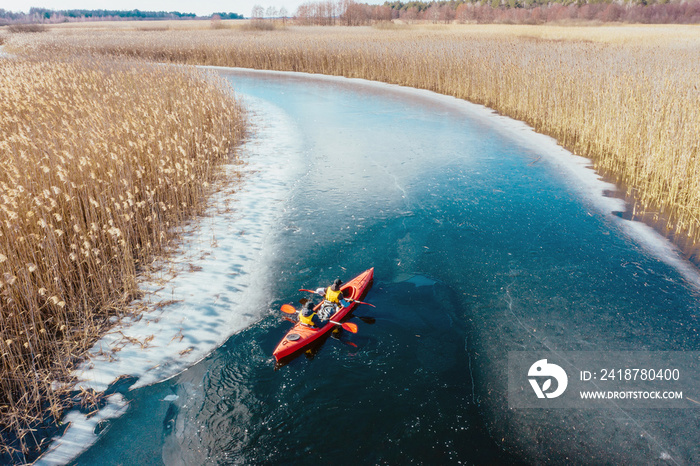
[
  {"x": 212, "y": 288},
  {"x": 81, "y": 432},
  {"x": 215, "y": 287}
]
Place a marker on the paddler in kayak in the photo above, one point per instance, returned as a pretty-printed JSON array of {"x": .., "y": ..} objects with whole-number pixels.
[
  {"x": 333, "y": 299},
  {"x": 307, "y": 315}
]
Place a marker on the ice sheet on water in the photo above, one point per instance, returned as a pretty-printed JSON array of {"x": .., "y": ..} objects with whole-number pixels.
[
  {"x": 417, "y": 280},
  {"x": 661, "y": 248},
  {"x": 82, "y": 431}
]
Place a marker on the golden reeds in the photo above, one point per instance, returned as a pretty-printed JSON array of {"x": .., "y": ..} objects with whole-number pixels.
[
  {"x": 99, "y": 160},
  {"x": 626, "y": 97}
]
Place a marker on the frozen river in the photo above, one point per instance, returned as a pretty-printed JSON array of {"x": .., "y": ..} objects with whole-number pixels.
[{"x": 486, "y": 239}]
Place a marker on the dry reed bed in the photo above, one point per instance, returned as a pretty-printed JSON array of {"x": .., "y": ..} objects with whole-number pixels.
[
  {"x": 99, "y": 159},
  {"x": 628, "y": 98}
]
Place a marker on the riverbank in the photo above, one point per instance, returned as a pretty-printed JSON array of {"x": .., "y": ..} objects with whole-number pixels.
[
  {"x": 102, "y": 160},
  {"x": 624, "y": 96},
  {"x": 212, "y": 286}
]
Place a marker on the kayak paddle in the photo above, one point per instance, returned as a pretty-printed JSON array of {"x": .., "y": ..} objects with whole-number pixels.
[
  {"x": 361, "y": 302},
  {"x": 349, "y": 326}
]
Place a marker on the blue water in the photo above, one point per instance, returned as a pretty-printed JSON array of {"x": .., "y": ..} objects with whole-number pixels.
[{"x": 481, "y": 246}]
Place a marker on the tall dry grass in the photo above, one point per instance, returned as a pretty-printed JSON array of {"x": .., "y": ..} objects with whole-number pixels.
[
  {"x": 99, "y": 160},
  {"x": 626, "y": 97}
]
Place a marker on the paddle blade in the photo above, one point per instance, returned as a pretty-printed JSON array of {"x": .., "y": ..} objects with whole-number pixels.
[
  {"x": 288, "y": 309},
  {"x": 350, "y": 327}
]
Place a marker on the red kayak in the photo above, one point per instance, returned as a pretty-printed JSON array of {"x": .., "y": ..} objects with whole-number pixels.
[{"x": 301, "y": 336}]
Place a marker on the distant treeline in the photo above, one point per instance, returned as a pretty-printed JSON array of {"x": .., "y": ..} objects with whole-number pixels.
[
  {"x": 454, "y": 4},
  {"x": 43, "y": 15},
  {"x": 228, "y": 15},
  {"x": 507, "y": 11}
]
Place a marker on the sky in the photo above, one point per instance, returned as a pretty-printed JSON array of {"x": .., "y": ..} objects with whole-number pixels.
[{"x": 200, "y": 7}]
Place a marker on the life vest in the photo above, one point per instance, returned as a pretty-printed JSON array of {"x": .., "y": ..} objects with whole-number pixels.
[
  {"x": 333, "y": 296},
  {"x": 307, "y": 320}
]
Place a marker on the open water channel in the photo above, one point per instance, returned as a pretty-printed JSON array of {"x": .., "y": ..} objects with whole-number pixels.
[{"x": 485, "y": 239}]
